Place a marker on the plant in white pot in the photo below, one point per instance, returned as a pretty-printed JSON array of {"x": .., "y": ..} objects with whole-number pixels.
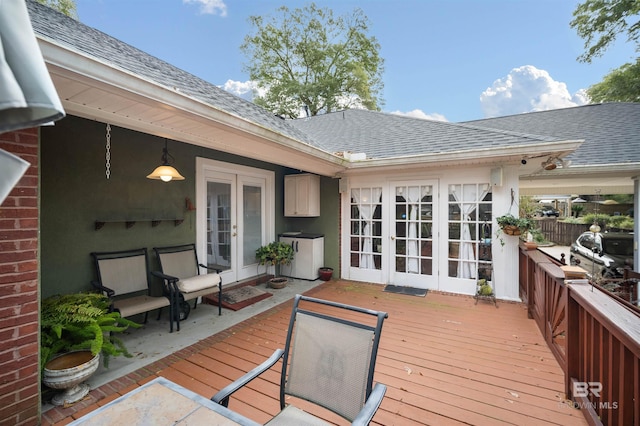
[
  {"x": 276, "y": 253},
  {"x": 74, "y": 330}
]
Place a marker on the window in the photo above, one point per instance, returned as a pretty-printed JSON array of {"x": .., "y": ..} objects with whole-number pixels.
[
  {"x": 366, "y": 228},
  {"x": 470, "y": 231}
]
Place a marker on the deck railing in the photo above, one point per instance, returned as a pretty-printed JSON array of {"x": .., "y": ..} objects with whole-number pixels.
[{"x": 595, "y": 338}]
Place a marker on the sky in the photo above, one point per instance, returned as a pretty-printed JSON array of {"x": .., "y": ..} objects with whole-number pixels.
[{"x": 450, "y": 60}]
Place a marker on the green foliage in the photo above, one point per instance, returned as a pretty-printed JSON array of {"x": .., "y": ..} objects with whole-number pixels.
[
  {"x": 606, "y": 221},
  {"x": 68, "y": 7},
  {"x": 576, "y": 209},
  {"x": 621, "y": 222},
  {"x": 527, "y": 206},
  {"x": 308, "y": 57},
  {"x": 275, "y": 253},
  {"x": 620, "y": 85},
  {"x": 599, "y": 22},
  {"x": 523, "y": 223},
  {"x": 80, "y": 321}
]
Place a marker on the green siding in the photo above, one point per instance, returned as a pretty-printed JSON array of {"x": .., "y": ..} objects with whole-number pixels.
[{"x": 75, "y": 193}]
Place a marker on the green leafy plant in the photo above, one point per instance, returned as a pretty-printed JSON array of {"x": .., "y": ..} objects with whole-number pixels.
[
  {"x": 81, "y": 321},
  {"x": 511, "y": 225},
  {"x": 275, "y": 253}
]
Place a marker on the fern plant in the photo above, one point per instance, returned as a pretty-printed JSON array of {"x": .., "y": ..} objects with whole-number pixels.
[{"x": 81, "y": 321}]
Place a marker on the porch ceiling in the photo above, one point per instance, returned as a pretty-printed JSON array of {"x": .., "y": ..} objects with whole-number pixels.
[{"x": 587, "y": 180}]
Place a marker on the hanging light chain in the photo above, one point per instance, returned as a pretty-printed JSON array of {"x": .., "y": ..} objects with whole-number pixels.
[{"x": 108, "y": 153}]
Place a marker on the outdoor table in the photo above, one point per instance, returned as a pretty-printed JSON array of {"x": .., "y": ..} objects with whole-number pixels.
[{"x": 163, "y": 402}]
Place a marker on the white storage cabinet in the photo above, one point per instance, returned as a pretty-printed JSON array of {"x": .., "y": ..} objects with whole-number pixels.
[
  {"x": 302, "y": 195},
  {"x": 308, "y": 257}
]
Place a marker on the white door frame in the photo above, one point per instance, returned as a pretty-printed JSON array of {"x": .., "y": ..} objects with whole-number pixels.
[{"x": 243, "y": 174}]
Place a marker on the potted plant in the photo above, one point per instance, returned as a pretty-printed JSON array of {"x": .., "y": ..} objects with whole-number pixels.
[
  {"x": 276, "y": 253},
  {"x": 75, "y": 329},
  {"x": 509, "y": 224},
  {"x": 512, "y": 225}
]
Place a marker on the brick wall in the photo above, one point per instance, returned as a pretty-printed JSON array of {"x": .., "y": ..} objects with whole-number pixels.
[{"x": 19, "y": 371}]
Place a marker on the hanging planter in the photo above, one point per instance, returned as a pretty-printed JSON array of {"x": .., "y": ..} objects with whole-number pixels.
[{"x": 511, "y": 225}]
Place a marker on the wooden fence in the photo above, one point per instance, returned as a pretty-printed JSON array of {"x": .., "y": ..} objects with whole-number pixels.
[
  {"x": 594, "y": 336},
  {"x": 561, "y": 233}
]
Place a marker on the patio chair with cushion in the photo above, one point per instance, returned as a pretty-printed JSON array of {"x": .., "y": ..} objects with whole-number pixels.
[
  {"x": 328, "y": 359},
  {"x": 123, "y": 276},
  {"x": 181, "y": 272}
]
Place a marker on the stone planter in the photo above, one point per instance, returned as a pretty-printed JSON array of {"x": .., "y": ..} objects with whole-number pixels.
[{"x": 68, "y": 372}]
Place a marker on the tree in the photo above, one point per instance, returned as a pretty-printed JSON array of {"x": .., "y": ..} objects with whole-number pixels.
[
  {"x": 307, "y": 59},
  {"x": 599, "y": 22},
  {"x": 620, "y": 85},
  {"x": 68, "y": 7}
]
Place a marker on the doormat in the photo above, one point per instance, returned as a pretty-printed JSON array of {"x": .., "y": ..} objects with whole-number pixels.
[
  {"x": 401, "y": 289},
  {"x": 239, "y": 298}
]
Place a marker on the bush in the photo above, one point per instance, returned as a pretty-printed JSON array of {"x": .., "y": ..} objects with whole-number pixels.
[{"x": 605, "y": 221}]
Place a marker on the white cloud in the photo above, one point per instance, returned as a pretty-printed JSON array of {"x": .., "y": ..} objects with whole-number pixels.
[
  {"x": 210, "y": 7},
  {"x": 416, "y": 113},
  {"x": 243, "y": 89},
  {"x": 527, "y": 89}
]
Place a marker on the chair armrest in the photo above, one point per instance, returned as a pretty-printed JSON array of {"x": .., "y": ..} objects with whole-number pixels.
[
  {"x": 110, "y": 293},
  {"x": 371, "y": 406},
  {"x": 169, "y": 278},
  {"x": 211, "y": 268},
  {"x": 222, "y": 397}
]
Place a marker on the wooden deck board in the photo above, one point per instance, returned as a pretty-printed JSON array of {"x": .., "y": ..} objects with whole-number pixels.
[{"x": 444, "y": 359}]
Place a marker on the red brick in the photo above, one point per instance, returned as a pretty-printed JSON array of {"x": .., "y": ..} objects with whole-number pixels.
[
  {"x": 18, "y": 235},
  {"x": 14, "y": 320},
  {"x": 18, "y": 256},
  {"x": 17, "y": 278},
  {"x": 28, "y": 266}
]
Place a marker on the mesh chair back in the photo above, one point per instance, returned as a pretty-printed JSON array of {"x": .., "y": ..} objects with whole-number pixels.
[
  {"x": 181, "y": 264},
  {"x": 126, "y": 274},
  {"x": 329, "y": 363}
]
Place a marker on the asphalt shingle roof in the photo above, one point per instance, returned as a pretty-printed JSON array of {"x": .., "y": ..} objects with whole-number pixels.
[
  {"x": 611, "y": 131},
  {"x": 53, "y": 25},
  {"x": 381, "y": 135}
]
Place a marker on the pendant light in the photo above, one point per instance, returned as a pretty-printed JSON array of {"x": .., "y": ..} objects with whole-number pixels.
[{"x": 165, "y": 172}]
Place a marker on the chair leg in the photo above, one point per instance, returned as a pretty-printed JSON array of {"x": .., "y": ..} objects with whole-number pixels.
[
  {"x": 146, "y": 316},
  {"x": 220, "y": 298},
  {"x": 159, "y": 314}
]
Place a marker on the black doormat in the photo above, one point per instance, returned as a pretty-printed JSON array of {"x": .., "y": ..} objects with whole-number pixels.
[{"x": 401, "y": 289}]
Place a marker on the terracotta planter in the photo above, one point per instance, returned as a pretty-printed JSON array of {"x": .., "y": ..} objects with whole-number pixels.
[
  {"x": 325, "y": 273},
  {"x": 67, "y": 372},
  {"x": 530, "y": 245}
]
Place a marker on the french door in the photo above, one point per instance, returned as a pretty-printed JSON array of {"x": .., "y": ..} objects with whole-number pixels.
[
  {"x": 235, "y": 219},
  {"x": 413, "y": 250}
]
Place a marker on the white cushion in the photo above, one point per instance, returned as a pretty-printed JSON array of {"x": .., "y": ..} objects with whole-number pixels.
[{"x": 199, "y": 282}]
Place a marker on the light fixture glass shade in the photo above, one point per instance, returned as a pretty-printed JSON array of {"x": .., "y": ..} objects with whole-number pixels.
[{"x": 165, "y": 174}]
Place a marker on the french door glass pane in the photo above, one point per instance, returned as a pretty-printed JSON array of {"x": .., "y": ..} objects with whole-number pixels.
[
  {"x": 219, "y": 224},
  {"x": 252, "y": 221}
]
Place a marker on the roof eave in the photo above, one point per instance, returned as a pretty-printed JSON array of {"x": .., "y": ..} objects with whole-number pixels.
[{"x": 69, "y": 67}]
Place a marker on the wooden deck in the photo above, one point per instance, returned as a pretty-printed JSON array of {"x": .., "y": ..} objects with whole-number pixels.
[{"x": 444, "y": 359}]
